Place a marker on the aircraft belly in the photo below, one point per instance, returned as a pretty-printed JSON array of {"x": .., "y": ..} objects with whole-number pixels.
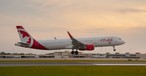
[{"x": 56, "y": 46}]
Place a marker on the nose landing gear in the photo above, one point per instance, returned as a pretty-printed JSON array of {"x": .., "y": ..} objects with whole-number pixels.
[{"x": 114, "y": 48}]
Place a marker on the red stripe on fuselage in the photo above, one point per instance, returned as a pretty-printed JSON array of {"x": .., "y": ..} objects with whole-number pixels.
[{"x": 37, "y": 45}]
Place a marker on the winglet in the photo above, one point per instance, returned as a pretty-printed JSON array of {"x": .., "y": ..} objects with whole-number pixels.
[{"x": 70, "y": 35}]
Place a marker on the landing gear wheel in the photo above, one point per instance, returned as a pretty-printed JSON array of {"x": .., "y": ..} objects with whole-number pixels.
[
  {"x": 72, "y": 52},
  {"x": 76, "y": 52}
]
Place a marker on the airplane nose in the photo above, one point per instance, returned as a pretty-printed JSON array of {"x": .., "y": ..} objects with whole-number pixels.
[{"x": 123, "y": 42}]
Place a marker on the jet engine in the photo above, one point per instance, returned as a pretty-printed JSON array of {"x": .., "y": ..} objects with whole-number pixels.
[{"x": 88, "y": 47}]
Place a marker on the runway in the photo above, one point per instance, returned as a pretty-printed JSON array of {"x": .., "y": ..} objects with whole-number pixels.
[{"x": 72, "y": 64}]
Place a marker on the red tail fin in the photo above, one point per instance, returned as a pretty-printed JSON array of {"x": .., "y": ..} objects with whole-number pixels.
[{"x": 26, "y": 38}]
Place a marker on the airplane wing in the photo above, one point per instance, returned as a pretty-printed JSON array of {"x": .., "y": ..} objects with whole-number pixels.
[{"x": 76, "y": 44}]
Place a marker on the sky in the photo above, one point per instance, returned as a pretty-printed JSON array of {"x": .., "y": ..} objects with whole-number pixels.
[{"x": 46, "y": 19}]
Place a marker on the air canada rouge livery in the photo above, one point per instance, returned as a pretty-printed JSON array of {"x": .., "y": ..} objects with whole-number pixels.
[{"x": 81, "y": 44}]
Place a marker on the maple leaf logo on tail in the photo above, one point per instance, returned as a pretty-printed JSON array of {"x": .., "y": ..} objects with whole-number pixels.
[{"x": 24, "y": 36}]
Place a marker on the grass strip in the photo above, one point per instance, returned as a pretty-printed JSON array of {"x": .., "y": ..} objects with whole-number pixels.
[{"x": 74, "y": 71}]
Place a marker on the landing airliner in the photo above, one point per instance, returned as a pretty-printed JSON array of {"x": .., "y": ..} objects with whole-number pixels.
[{"x": 81, "y": 44}]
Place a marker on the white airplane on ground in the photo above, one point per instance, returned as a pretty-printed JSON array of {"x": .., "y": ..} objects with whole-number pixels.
[{"x": 82, "y": 44}]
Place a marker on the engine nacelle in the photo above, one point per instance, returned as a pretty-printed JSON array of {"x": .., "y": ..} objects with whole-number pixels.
[{"x": 88, "y": 47}]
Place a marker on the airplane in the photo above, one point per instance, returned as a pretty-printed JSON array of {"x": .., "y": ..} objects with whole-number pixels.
[{"x": 79, "y": 44}]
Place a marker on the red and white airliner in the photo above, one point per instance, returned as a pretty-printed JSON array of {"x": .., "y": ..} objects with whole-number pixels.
[{"x": 81, "y": 44}]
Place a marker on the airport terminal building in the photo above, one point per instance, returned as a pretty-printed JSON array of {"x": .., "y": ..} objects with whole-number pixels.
[{"x": 66, "y": 54}]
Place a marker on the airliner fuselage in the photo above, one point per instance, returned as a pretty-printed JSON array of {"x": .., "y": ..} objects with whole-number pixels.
[
  {"x": 83, "y": 44},
  {"x": 67, "y": 43}
]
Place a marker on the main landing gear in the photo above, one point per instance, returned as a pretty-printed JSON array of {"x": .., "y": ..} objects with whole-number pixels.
[{"x": 74, "y": 52}]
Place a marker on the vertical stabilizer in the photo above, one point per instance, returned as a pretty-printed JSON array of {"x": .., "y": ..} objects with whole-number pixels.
[
  {"x": 26, "y": 40},
  {"x": 24, "y": 36}
]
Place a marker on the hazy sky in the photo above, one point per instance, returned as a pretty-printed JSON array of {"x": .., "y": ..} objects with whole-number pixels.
[{"x": 46, "y": 19}]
